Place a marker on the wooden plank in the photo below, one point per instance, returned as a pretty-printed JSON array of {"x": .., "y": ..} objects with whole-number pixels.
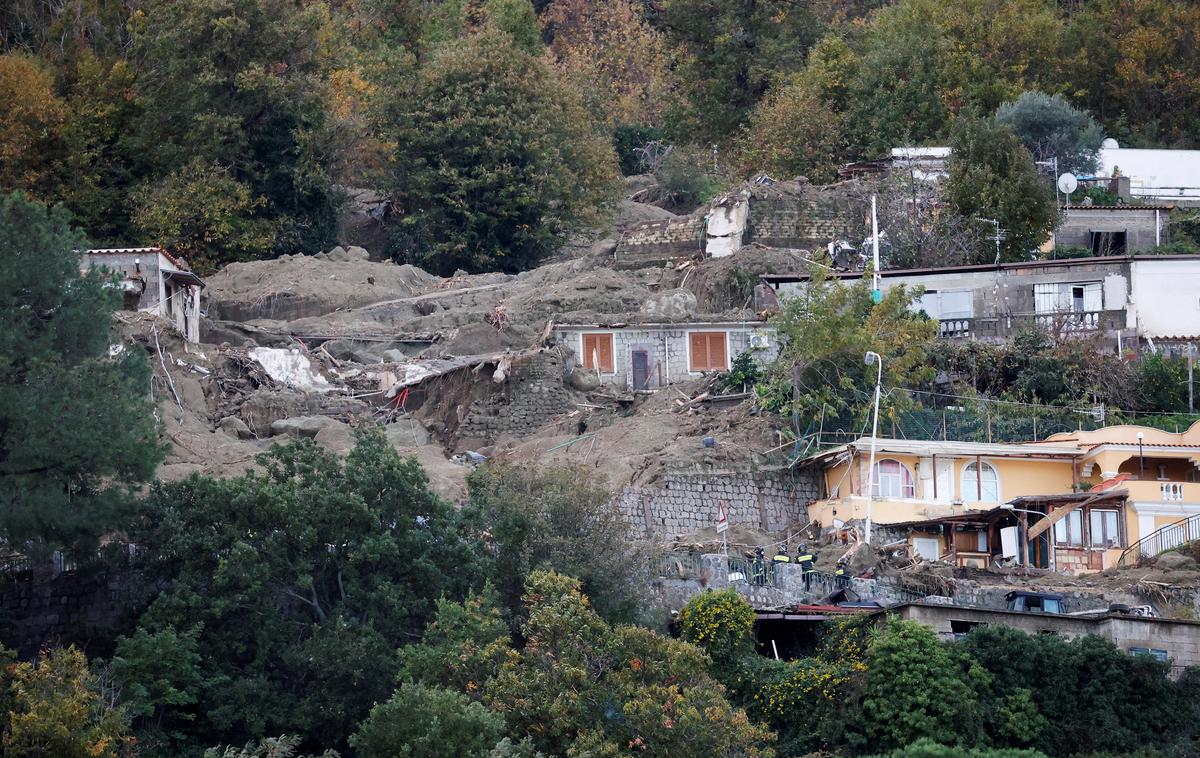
[{"x": 1058, "y": 515}]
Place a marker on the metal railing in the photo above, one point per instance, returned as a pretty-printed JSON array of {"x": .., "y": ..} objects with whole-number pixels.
[{"x": 1163, "y": 539}]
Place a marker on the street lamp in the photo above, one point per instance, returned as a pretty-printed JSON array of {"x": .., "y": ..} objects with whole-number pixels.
[
  {"x": 876, "y": 358},
  {"x": 1141, "y": 457}
]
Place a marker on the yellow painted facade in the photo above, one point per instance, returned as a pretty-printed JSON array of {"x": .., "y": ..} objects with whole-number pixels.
[{"x": 930, "y": 480}]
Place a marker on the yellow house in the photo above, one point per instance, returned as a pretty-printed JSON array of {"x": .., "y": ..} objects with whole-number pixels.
[{"x": 1074, "y": 502}]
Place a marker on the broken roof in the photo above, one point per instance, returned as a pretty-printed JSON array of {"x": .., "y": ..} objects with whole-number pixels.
[{"x": 949, "y": 449}]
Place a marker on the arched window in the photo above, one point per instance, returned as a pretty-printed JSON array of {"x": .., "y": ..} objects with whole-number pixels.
[
  {"x": 892, "y": 479},
  {"x": 980, "y": 483}
]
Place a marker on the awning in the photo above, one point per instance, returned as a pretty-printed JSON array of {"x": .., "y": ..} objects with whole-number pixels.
[{"x": 184, "y": 277}]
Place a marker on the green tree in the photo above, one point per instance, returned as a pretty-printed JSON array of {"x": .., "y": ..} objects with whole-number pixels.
[
  {"x": 303, "y": 581},
  {"x": 30, "y": 126},
  {"x": 421, "y": 721},
  {"x": 76, "y": 422},
  {"x": 286, "y": 746},
  {"x": 915, "y": 687},
  {"x": 824, "y": 333},
  {"x": 993, "y": 176},
  {"x": 240, "y": 84},
  {"x": 582, "y": 687},
  {"x": 496, "y": 160},
  {"x": 793, "y": 132},
  {"x": 204, "y": 214},
  {"x": 928, "y": 748},
  {"x": 1049, "y": 127},
  {"x": 562, "y": 519},
  {"x": 729, "y": 54},
  {"x": 1093, "y": 697},
  {"x": 161, "y": 679},
  {"x": 58, "y": 708},
  {"x": 719, "y": 623}
]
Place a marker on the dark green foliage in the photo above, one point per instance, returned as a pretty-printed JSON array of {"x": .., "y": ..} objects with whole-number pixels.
[
  {"x": 743, "y": 373},
  {"x": 76, "y": 424},
  {"x": 928, "y": 748},
  {"x": 496, "y": 160},
  {"x": 730, "y": 54},
  {"x": 238, "y": 83},
  {"x": 1094, "y": 697},
  {"x": 626, "y": 141},
  {"x": 301, "y": 581},
  {"x": 915, "y": 687},
  {"x": 993, "y": 176},
  {"x": 1050, "y": 127},
  {"x": 428, "y": 722},
  {"x": 561, "y": 519}
]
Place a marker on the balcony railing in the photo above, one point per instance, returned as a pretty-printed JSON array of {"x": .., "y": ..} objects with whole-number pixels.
[
  {"x": 1150, "y": 490},
  {"x": 982, "y": 327},
  {"x": 1172, "y": 492}
]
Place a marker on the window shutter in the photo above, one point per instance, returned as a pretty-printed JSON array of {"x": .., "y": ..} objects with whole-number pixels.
[
  {"x": 589, "y": 349},
  {"x": 716, "y": 351},
  {"x": 606, "y": 353},
  {"x": 699, "y": 347}
]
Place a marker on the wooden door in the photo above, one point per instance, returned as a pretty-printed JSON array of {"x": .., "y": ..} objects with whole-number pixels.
[
  {"x": 598, "y": 352},
  {"x": 641, "y": 370}
]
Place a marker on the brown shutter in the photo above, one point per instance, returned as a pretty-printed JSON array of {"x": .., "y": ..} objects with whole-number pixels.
[
  {"x": 606, "y": 353},
  {"x": 589, "y": 349},
  {"x": 716, "y": 352},
  {"x": 598, "y": 348},
  {"x": 699, "y": 346}
]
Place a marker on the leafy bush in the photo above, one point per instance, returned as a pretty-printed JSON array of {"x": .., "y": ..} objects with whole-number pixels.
[
  {"x": 428, "y": 722},
  {"x": 720, "y": 622},
  {"x": 743, "y": 372}
]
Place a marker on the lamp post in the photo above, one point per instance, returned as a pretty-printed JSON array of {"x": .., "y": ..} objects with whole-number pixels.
[
  {"x": 877, "y": 359},
  {"x": 1141, "y": 457}
]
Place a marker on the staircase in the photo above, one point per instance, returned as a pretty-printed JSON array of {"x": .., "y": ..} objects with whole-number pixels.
[{"x": 1161, "y": 540}]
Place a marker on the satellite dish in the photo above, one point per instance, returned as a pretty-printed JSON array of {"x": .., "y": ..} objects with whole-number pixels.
[
  {"x": 1109, "y": 144},
  {"x": 1067, "y": 183}
]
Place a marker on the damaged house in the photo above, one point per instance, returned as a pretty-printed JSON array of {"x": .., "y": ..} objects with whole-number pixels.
[
  {"x": 652, "y": 355},
  {"x": 1077, "y": 502},
  {"x": 154, "y": 281}
]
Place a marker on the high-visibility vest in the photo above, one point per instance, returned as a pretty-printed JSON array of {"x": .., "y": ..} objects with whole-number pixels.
[
  {"x": 806, "y": 561},
  {"x": 781, "y": 558},
  {"x": 840, "y": 572}
]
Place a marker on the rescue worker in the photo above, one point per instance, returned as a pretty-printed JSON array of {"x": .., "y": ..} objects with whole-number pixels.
[
  {"x": 842, "y": 574},
  {"x": 760, "y": 567},
  {"x": 807, "y": 565},
  {"x": 781, "y": 557}
]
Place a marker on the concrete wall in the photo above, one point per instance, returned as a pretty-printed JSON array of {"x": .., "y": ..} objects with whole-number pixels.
[
  {"x": 683, "y": 503},
  {"x": 1166, "y": 298},
  {"x": 1142, "y": 234},
  {"x": 1181, "y": 639},
  {"x": 668, "y": 348}
]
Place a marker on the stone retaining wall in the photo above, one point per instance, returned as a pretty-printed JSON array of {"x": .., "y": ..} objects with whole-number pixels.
[
  {"x": 685, "y": 502},
  {"x": 533, "y": 394},
  {"x": 71, "y": 608}
]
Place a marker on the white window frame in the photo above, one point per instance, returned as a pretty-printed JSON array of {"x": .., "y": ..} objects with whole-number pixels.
[
  {"x": 971, "y": 491},
  {"x": 905, "y": 479},
  {"x": 1065, "y": 535}
]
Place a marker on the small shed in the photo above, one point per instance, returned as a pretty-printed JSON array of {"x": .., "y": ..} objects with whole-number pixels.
[
  {"x": 154, "y": 281},
  {"x": 1114, "y": 229}
]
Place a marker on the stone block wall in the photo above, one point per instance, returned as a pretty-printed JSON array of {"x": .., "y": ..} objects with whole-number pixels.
[
  {"x": 69, "y": 608},
  {"x": 654, "y": 241},
  {"x": 533, "y": 394},
  {"x": 810, "y": 221},
  {"x": 685, "y": 502}
]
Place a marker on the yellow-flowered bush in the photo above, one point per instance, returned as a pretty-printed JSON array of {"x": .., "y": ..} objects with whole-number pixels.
[{"x": 722, "y": 623}]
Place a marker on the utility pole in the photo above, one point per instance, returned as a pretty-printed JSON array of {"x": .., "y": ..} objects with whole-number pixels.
[
  {"x": 1191, "y": 366},
  {"x": 876, "y": 293},
  {"x": 876, "y": 358}
]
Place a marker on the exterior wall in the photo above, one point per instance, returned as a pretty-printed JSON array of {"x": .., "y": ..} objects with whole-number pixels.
[
  {"x": 178, "y": 303},
  {"x": 667, "y": 348},
  {"x": 1144, "y": 228},
  {"x": 1017, "y": 477},
  {"x": 656, "y": 241},
  {"x": 684, "y": 502},
  {"x": 1181, "y": 639},
  {"x": 809, "y": 221},
  {"x": 1166, "y": 298}
]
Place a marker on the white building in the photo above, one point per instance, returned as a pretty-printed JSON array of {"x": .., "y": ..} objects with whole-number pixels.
[
  {"x": 1158, "y": 175},
  {"x": 154, "y": 281}
]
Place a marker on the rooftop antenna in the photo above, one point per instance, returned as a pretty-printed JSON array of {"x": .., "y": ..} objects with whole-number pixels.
[{"x": 997, "y": 236}]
